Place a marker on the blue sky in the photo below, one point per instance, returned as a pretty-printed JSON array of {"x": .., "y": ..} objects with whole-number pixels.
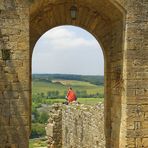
[{"x": 68, "y": 50}]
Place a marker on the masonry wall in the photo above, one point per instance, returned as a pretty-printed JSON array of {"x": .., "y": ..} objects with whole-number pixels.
[
  {"x": 76, "y": 126},
  {"x": 83, "y": 126},
  {"x": 126, "y": 113},
  {"x": 14, "y": 73},
  {"x": 136, "y": 71},
  {"x": 54, "y": 127}
]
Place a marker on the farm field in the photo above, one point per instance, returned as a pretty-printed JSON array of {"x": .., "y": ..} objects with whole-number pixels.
[{"x": 62, "y": 86}]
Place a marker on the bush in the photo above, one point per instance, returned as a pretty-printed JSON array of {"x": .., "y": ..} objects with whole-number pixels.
[
  {"x": 38, "y": 130},
  {"x": 43, "y": 117},
  {"x": 39, "y": 117}
]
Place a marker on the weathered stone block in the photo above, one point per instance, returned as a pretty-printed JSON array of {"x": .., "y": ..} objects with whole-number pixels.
[
  {"x": 131, "y": 93},
  {"x": 131, "y": 142},
  {"x": 9, "y": 145},
  {"x": 138, "y": 100},
  {"x": 17, "y": 86},
  {"x": 4, "y": 120},
  {"x": 146, "y": 116},
  {"x": 145, "y": 142},
  {"x": 19, "y": 107},
  {"x": 3, "y": 139},
  {"x": 11, "y": 95},
  {"x": 49, "y": 130},
  {"x": 134, "y": 133},
  {"x": 145, "y": 124},
  {"x": 19, "y": 120},
  {"x": 145, "y": 108},
  {"x": 139, "y": 142},
  {"x": 14, "y": 64}
]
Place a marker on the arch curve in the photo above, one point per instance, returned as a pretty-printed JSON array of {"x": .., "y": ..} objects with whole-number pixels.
[
  {"x": 105, "y": 20},
  {"x": 47, "y": 15}
]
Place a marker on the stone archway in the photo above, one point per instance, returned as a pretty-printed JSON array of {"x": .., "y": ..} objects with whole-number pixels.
[
  {"x": 123, "y": 37},
  {"x": 106, "y": 22}
]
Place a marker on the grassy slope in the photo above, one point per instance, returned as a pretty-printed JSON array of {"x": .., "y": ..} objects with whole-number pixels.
[{"x": 38, "y": 86}]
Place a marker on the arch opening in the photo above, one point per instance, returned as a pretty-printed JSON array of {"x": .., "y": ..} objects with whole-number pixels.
[
  {"x": 105, "y": 21},
  {"x": 51, "y": 58}
]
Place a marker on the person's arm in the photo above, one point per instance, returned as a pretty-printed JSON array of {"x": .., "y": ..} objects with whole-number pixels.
[
  {"x": 76, "y": 98},
  {"x": 67, "y": 95}
]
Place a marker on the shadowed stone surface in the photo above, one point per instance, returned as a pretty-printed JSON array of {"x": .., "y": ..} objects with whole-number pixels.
[{"x": 120, "y": 26}]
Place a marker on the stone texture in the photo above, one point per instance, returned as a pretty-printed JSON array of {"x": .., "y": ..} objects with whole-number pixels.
[
  {"x": 54, "y": 127},
  {"x": 76, "y": 126},
  {"x": 83, "y": 126},
  {"x": 14, "y": 103},
  {"x": 120, "y": 26}
]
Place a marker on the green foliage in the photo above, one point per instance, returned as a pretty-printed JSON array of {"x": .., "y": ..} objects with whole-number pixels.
[
  {"x": 38, "y": 130},
  {"x": 39, "y": 117},
  {"x": 37, "y": 142},
  {"x": 50, "y": 89},
  {"x": 97, "y": 80},
  {"x": 43, "y": 117},
  {"x": 53, "y": 94}
]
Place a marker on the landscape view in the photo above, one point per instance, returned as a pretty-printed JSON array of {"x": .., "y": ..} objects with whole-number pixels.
[
  {"x": 48, "y": 89},
  {"x": 73, "y": 73},
  {"x": 64, "y": 57}
]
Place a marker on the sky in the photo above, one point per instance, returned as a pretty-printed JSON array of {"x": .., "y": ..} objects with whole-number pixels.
[{"x": 67, "y": 50}]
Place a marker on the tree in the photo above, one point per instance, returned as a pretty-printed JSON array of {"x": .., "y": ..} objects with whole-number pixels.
[
  {"x": 43, "y": 117},
  {"x": 42, "y": 95},
  {"x": 38, "y": 130},
  {"x": 48, "y": 94}
]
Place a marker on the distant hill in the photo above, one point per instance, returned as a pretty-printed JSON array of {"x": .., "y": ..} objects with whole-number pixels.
[{"x": 97, "y": 80}]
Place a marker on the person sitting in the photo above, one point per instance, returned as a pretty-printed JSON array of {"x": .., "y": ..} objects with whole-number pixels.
[{"x": 71, "y": 95}]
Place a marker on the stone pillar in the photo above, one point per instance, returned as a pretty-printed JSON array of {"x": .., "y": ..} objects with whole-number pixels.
[
  {"x": 14, "y": 74},
  {"x": 137, "y": 73},
  {"x": 54, "y": 127}
]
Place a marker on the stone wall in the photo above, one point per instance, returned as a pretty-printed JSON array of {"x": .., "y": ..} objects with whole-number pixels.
[
  {"x": 54, "y": 127},
  {"x": 76, "y": 126},
  {"x": 120, "y": 26},
  {"x": 14, "y": 73},
  {"x": 105, "y": 20}
]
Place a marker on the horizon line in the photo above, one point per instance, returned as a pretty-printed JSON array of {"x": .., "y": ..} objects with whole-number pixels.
[{"x": 67, "y": 74}]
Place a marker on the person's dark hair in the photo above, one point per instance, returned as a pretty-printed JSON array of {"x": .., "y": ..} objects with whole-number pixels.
[{"x": 70, "y": 88}]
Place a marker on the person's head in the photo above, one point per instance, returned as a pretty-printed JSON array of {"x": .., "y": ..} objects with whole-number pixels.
[{"x": 70, "y": 88}]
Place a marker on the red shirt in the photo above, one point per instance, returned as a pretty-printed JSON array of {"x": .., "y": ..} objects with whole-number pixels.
[{"x": 71, "y": 96}]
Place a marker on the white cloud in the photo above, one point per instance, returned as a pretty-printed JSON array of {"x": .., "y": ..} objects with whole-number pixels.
[
  {"x": 61, "y": 38},
  {"x": 59, "y": 33},
  {"x": 67, "y": 50}
]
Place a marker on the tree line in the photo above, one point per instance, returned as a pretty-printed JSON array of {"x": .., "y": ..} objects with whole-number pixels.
[
  {"x": 56, "y": 94},
  {"x": 97, "y": 80}
]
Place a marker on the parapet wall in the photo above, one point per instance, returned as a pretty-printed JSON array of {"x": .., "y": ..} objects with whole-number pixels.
[
  {"x": 54, "y": 127},
  {"x": 76, "y": 126}
]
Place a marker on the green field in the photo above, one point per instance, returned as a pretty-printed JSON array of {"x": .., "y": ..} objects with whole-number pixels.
[
  {"x": 47, "y": 91},
  {"x": 62, "y": 86}
]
